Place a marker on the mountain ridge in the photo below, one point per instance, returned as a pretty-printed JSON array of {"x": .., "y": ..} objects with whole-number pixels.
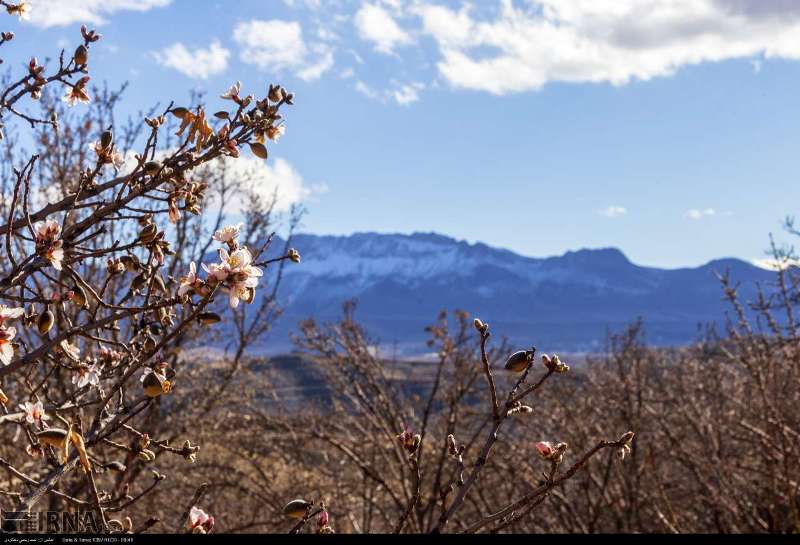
[
  {"x": 433, "y": 236},
  {"x": 401, "y": 282}
]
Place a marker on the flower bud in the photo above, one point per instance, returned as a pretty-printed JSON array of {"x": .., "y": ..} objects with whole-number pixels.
[
  {"x": 45, "y": 322},
  {"x": 189, "y": 452},
  {"x": 275, "y": 93},
  {"x": 554, "y": 364},
  {"x": 81, "y": 55},
  {"x": 294, "y": 255},
  {"x": 451, "y": 445},
  {"x": 149, "y": 344},
  {"x": 545, "y": 449},
  {"x": 297, "y": 508},
  {"x": 154, "y": 385},
  {"x": 259, "y": 150},
  {"x": 156, "y": 122},
  {"x": 148, "y": 233},
  {"x": 79, "y": 296},
  {"x": 519, "y": 361},
  {"x": 106, "y": 139},
  {"x": 139, "y": 281},
  {"x": 147, "y": 455},
  {"x": 519, "y": 408},
  {"x": 130, "y": 262},
  {"x": 208, "y": 318},
  {"x": 179, "y": 112},
  {"x": 116, "y": 466},
  {"x": 114, "y": 266},
  {"x": 151, "y": 168}
]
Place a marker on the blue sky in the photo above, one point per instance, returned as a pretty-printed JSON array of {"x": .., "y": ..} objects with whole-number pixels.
[{"x": 668, "y": 129}]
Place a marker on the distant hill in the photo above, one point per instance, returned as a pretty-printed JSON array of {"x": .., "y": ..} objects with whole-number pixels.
[{"x": 566, "y": 303}]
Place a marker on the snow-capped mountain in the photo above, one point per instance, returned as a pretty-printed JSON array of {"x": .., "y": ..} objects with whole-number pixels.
[{"x": 568, "y": 302}]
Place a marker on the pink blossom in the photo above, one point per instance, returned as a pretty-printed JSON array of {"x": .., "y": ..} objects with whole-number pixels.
[
  {"x": 227, "y": 233},
  {"x": 47, "y": 231},
  {"x": 190, "y": 282},
  {"x": 34, "y": 412},
  {"x": 233, "y": 92},
  {"x": 199, "y": 521},
  {"x": 86, "y": 374},
  {"x": 110, "y": 356}
]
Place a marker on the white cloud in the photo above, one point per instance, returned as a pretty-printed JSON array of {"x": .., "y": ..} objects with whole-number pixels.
[
  {"x": 313, "y": 5},
  {"x": 198, "y": 63},
  {"x": 267, "y": 178},
  {"x": 279, "y": 45},
  {"x": 446, "y": 25},
  {"x": 407, "y": 94},
  {"x": 47, "y": 13},
  {"x": 367, "y": 91},
  {"x": 613, "y": 211},
  {"x": 271, "y": 44},
  {"x": 315, "y": 70},
  {"x": 524, "y": 45},
  {"x": 375, "y": 24},
  {"x": 698, "y": 214},
  {"x": 403, "y": 94}
]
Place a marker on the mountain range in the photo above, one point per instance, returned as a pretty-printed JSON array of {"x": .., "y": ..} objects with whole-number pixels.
[{"x": 569, "y": 302}]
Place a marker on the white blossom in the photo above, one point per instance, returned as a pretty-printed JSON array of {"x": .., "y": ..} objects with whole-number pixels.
[{"x": 6, "y": 347}]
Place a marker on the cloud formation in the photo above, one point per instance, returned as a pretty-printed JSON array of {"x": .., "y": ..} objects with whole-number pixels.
[
  {"x": 698, "y": 214},
  {"x": 279, "y": 45},
  {"x": 496, "y": 46},
  {"x": 613, "y": 211},
  {"x": 524, "y": 45},
  {"x": 198, "y": 63},
  {"x": 376, "y": 25},
  {"x": 267, "y": 178},
  {"x": 401, "y": 93},
  {"x": 47, "y": 13}
]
